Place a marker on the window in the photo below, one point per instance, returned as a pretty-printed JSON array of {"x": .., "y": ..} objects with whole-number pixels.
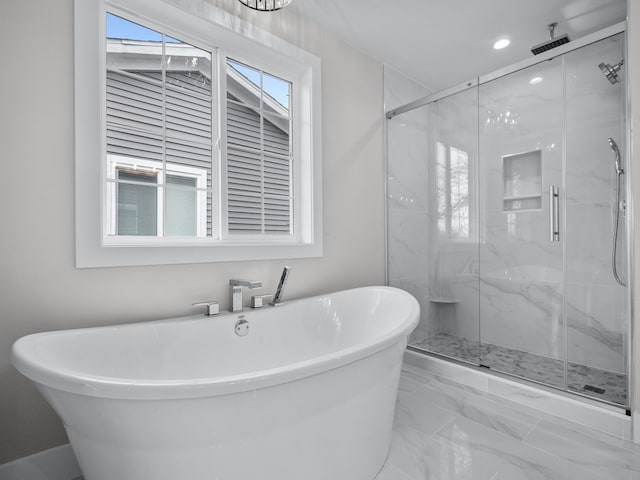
[
  {"x": 137, "y": 206},
  {"x": 194, "y": 142},
  {"x": 160, "y": 136},
  {"x": 259, "y": 169},
  {"x": 453, "y": 190}
]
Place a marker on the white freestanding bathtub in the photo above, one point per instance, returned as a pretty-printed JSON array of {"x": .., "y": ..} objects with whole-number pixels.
[{"x": 307, "y": 393}]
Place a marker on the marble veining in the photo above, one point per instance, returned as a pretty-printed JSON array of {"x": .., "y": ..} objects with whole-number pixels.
[
  {"x": 524, "y": 309},
  {"x": 533, "y": 367},
  {"x": 444, "y": 431}
]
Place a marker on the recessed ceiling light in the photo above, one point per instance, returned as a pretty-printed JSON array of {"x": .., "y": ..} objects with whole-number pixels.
[
  {"x": 502, "y": 43},
  {"x": 535, "y": 80}
]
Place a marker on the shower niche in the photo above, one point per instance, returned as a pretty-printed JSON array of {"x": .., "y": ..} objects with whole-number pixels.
[
  {"x": 507, "y": 245},
  {"x": 522, "y": 181}
]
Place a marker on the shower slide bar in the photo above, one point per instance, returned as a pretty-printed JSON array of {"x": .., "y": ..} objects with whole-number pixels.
[{"x": 543, "y": 57}]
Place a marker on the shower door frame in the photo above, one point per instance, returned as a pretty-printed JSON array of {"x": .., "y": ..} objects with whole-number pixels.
[
  {"x": 619, "y": 28},
  {"x": 569, "y": 47}
]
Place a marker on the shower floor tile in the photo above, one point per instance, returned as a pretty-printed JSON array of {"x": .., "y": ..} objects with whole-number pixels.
[{"x": 600, "y": 384}]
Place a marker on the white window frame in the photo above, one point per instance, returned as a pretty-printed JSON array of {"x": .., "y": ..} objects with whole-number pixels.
[
  {"x": 209, "y": 28},
  {"x": 115, "y": 161}
]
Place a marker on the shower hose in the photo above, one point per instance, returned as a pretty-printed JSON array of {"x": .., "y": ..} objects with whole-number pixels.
[{"x": 614, "y": 249}]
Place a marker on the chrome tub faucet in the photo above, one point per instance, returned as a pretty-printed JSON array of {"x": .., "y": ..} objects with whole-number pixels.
[{"x": 235, "y": 293}]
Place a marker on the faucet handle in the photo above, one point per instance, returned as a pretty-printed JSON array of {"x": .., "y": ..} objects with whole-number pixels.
[
  {"x": 212, "y": 307},
  {"x": 257, "y": 301}
]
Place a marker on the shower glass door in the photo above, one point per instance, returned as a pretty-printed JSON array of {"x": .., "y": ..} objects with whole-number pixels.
[
  {"x": 522, "y": 226},
  {"x": 453, "y": 227},
  {"x": 551, "y": 309},
  {"x": 432, "y": 215}
]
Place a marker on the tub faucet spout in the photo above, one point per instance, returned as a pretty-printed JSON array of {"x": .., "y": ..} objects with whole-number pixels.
[{"x": 235, "y": 292}]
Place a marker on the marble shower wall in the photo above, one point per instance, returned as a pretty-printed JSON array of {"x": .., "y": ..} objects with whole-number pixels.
[{"x": 597, "y": 307}]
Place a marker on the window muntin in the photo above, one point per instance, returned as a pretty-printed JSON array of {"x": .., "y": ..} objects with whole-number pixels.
[{"x": 160, "y": 116}]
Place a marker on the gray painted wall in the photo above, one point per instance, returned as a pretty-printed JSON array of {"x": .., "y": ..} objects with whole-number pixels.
[{"x": 39, "y": 287}]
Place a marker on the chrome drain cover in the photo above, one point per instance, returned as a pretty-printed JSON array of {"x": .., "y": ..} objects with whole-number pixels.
[{"x": 242, "y": 327}]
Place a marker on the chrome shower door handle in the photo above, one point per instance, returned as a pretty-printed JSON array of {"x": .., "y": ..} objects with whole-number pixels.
[{"x": 554, "y": 213}]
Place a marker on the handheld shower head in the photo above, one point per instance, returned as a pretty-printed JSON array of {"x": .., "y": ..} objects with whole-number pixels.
[
  {"x": 620, "y": 205},
  {"x": 618, "y": 161},
  {"x": 611, "y": 72}
]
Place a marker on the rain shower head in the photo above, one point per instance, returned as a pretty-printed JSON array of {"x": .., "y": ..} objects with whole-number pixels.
[
  {"x": 611, "y": 72},
  {"x": 553, "y": 42}
]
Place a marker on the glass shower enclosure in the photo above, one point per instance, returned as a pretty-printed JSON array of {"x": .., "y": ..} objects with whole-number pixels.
[{"x": 504, "y": 198}]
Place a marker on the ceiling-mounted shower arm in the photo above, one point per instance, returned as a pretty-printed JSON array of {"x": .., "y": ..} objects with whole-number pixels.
[{"x": 553, "y": 42}]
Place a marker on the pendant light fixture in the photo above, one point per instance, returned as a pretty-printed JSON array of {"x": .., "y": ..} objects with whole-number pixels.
[{"x": 265, "y": 5}]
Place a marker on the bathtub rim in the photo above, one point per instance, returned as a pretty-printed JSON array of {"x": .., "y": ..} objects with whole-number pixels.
[{"x": 74, "y": 381}]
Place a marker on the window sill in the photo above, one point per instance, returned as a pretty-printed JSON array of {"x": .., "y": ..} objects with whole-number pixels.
[{"x": 134, "y": 255}]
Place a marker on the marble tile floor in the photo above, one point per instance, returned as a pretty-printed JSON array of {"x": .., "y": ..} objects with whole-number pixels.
[
  {"x": 609, "y": 386},
  {"x": 446, "y": 431}
]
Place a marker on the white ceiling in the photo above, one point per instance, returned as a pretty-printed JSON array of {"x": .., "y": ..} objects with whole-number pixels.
[{"x": 442, "y": 43}]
